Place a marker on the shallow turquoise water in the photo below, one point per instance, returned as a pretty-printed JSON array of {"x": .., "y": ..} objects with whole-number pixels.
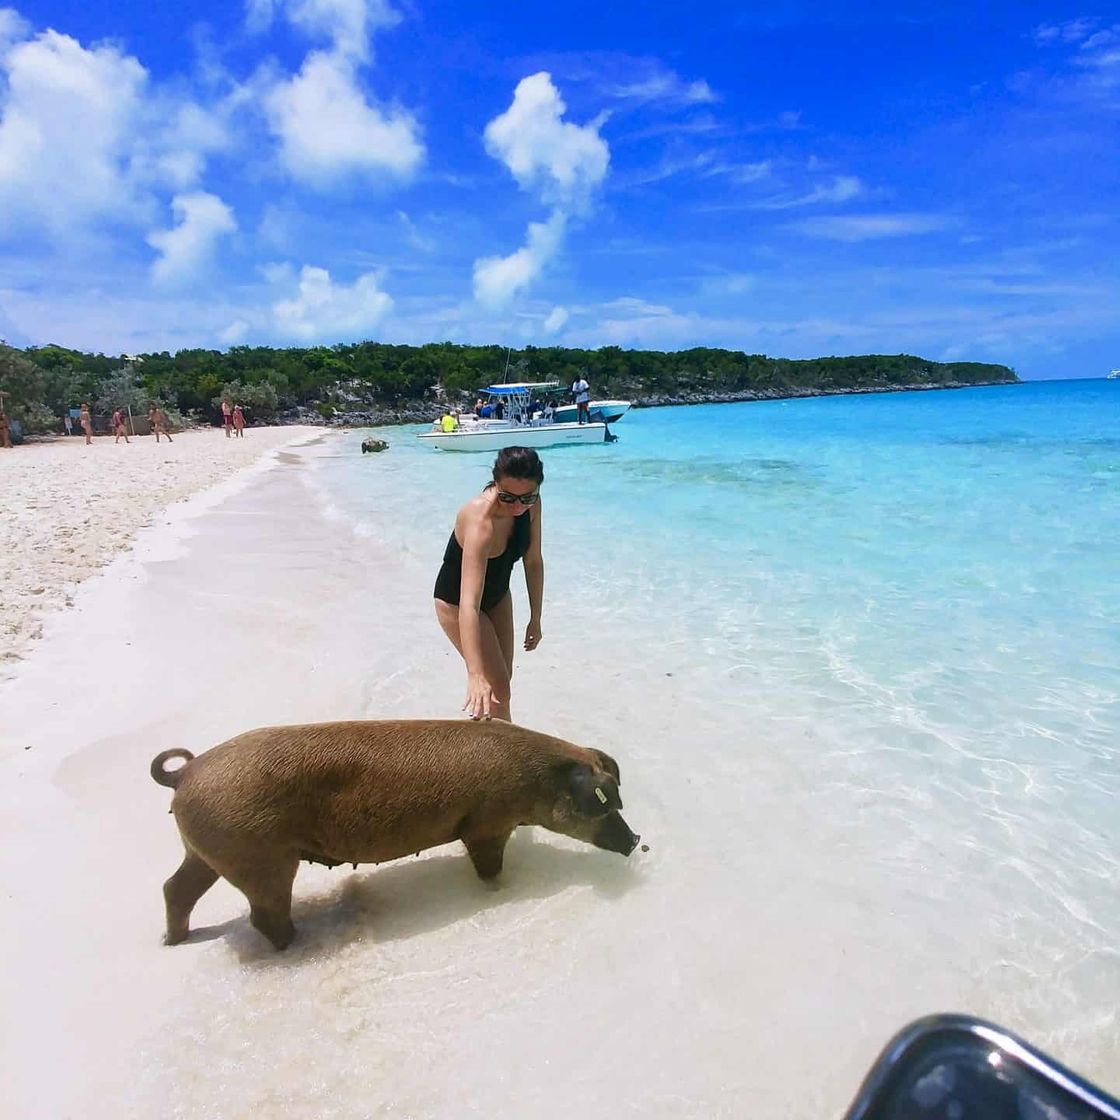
[{"x": 892, "y": 616}]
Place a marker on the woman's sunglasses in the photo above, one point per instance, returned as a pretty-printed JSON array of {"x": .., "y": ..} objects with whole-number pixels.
[{"x": 525, "y": 499}]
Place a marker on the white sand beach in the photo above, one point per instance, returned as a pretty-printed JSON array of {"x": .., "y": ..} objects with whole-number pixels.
[
  {"x": 66, "y": 509},
  {"x": 754, "y": 960}
]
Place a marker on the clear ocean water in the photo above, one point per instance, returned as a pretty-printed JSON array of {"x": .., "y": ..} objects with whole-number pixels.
[{"x": 869, "y": 648}]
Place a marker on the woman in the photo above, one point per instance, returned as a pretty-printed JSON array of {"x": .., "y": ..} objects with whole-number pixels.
[
  {"x": 86, "y": 422},
  {"x": 118, "y": 426},
  {"x": 238, "y": 422},
  {"x": 157, "y": 418},
  {"x": 492, "y": 532}
]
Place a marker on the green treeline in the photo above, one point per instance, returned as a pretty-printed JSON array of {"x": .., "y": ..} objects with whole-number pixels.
[{"x": 44, "y": 380}]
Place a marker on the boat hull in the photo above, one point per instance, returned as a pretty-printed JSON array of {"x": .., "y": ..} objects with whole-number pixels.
[
  {"x": 491, "y": 438},
  {"x": 604, "y": 412}
]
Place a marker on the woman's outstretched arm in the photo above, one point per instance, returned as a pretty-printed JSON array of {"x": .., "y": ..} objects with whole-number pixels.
[{"x": 534, "y": 578}]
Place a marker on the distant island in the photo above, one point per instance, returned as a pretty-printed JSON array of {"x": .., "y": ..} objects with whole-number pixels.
[{"x": 378, "y": 383}]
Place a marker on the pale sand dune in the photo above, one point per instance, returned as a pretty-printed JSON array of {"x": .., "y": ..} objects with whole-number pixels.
[{"x": 66, "y": 509}]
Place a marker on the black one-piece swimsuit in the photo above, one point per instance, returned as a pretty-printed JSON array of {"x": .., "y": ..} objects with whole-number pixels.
[{"x": 498, "y": 568}]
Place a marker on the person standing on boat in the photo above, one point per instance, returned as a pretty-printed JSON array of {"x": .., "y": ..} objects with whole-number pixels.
[
  {"x": 473, "y": 603},
  {"x": 581, "y": 392}
]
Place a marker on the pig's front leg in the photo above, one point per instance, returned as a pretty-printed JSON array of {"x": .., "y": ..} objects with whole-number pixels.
[{"x": 486, "y": 851}]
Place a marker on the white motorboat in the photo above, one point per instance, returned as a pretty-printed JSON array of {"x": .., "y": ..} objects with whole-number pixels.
[
  {"x": 1113, "y": 374},
  {"x": 523, "y": 423},
  {"x": 606, "y": 412}
]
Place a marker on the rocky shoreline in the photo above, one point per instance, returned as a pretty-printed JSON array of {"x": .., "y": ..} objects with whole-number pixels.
[{"x": 423, "y": 412}]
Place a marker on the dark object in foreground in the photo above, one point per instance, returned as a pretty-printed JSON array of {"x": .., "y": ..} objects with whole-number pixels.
[
  {"x": 374, "y": 445},
  {"x": 367, "y": 792},
  {"x": 954, "y": 1067}
]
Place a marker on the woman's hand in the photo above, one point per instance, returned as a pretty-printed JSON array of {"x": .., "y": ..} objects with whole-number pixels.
[
  {"x": 480, "y": 697},
  {"x": 532, "y": 635}
]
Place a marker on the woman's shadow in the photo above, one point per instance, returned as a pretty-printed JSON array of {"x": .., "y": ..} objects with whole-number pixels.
[{"x": 412, "y": 897}]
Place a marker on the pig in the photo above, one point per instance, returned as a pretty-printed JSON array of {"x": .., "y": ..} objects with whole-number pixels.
[{"x": 250, "y": 809}]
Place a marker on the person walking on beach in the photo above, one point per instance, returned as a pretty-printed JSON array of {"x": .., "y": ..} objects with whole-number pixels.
[
  {"x": 158, "y": 420},
  {"x": 473, "y": 604},
  {"x": 581, "y": 392},
  {"x": 68, "y": 423},
  {"x": 118, "y": 426},
  {"x": 86, "y": 422},
  {"x": 5, "y": 426},
  {"x": 238, "y": 422},
  {"x": 227, "y": 415}
]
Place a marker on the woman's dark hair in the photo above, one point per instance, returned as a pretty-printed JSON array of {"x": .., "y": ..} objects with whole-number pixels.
[{"x": 519, "y": 462}]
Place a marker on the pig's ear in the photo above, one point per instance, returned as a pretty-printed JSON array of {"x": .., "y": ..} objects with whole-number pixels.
[
  {"x": 608, "y": 764},
  {"x": 593, "y": 797}
]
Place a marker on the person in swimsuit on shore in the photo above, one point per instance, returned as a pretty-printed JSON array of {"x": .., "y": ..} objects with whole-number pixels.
[
  {"x": 473, "y": 603},
  {"x": 157, "y": 418}
]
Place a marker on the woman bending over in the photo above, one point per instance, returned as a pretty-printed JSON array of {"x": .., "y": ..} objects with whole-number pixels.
[{"x": 492, "y": 532}]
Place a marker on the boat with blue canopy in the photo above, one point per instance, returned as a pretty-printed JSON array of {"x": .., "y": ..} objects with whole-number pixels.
[{"x": 517, "y": 414}]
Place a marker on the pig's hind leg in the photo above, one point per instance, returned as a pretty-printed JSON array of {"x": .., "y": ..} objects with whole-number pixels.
[
  {"x": 180, "y": 893},
  {"x": 265, "y": 878}
]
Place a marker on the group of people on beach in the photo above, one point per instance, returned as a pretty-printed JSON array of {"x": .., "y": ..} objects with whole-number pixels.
[
  {"x": 157, "y": 422},
  {"x": 233, "y": 419}
]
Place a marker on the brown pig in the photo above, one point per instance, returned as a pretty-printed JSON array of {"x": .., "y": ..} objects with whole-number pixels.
[{"x": 369, "y": 791}]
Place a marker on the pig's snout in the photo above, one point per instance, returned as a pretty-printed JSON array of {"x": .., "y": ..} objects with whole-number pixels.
[{"x": 614, "y": 835}]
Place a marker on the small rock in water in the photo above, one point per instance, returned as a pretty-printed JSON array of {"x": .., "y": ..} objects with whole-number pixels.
[{"x": 645, "y": 847}]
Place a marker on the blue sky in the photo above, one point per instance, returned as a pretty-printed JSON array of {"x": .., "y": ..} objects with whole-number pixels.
[{"x": 794, "y": 178}]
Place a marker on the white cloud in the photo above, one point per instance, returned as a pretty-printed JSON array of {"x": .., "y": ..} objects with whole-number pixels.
[
  {"x": 1071, "y": 32},
  {"x": 842, "y": 188},
  {"x": 13, "y": 28},
  {"x": 347, "y": 23},
  {"x": 638, "y": 322},
  {"x": 188, "y": 247},
  {"x": 562, "y": 162},
  {"x": 498, "y": 279},
  {"x": 236, "y": 332},
  {"x": 1105, "y": 38},
  {"x": 1102, "y": 50},
  {"x": 258, "y": 15},
  {"x": 329, "y": 311},
  {"x": 66, "y": 131},
  {"x": 866, "y": 227},
  {"x": 84, "y": 139},
  {"x": 327, "y": 130},
  {"x": 557, "y": 317},
  {"x": 664, "y": 85},
  {"x": 413, "y": 236},
  {"x": 741, "y": 173}
]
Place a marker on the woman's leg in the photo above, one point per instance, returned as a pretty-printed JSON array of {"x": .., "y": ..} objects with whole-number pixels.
[
  {"x": 494, "y": 664},
  {"x": 501, "y": 615}
]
